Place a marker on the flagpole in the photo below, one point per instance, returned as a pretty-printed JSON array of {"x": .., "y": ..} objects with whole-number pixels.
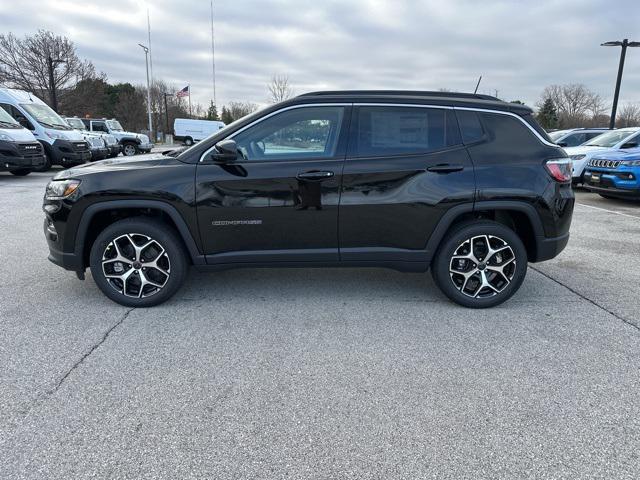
[
  {"x": 213, "y": 59},
  {"x": 189, "y": 90}
]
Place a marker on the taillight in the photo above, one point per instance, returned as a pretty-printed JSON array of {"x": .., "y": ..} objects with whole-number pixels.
[{"x": 560, "y": 169}]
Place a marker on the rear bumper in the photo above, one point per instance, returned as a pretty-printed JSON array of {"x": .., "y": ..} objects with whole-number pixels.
[{"x": 548, "y": 248}]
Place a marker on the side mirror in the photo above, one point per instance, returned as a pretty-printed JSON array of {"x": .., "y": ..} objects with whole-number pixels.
[
  {"x": 562, "y": 144},
  {"x": 225, "y": 151},
  {"x": 629, "y": 145}
]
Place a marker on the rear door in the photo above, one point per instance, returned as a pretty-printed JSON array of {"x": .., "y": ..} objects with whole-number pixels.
[
  {"x": 405, "y": 167},
  {"x": 279, "y": 200}
]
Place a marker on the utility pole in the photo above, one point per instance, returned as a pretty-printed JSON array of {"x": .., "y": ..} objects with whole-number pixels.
[
  {"x": 146, "y": 60},
  {"x": 623, "y": 52},
  {"x": 166, "y": 110},
  {"x": 51, "y": 64}
]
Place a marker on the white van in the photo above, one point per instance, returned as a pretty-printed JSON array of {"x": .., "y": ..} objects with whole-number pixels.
[
  {"x": 20, "y": 152},
  {"x": 189, "y": 131},
  {"x": 62, "y": 144}
]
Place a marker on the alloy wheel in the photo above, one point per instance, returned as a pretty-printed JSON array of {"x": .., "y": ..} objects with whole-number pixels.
[
  {"x": 136, "y": 265},
  {"x": 482, "y": 266},
  {"x": 129, "y": 150}
]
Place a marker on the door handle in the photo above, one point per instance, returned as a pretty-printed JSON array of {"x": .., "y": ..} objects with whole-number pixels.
[
  {"x": 446, "y": 168},
  {"x": 315, "y": 175}
]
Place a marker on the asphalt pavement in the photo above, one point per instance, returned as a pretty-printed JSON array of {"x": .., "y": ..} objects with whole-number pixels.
[{"x": 322, "y": 373}]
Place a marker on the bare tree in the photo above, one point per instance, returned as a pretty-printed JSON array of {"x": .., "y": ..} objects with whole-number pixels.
[
  {"x": 629, "y": 115},
  {"x": 279, "y": 88},
  {"x": 25, "y": 63},
  {"x": 240, "y": 109},
  {"x": 575, "y": 103}
]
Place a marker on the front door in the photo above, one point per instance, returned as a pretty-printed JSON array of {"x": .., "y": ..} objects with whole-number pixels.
[{"x": 279, "y": 200}]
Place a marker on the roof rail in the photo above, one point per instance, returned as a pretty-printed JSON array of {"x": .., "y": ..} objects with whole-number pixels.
[{"x": 402, "y": 93}]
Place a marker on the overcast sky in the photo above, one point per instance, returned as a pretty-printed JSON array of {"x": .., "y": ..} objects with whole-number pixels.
[{"x": 518, "y": 47}]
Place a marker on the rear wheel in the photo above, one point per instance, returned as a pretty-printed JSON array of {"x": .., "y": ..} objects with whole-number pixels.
[
  {"x": 480, "y": 264},
  {"x": 21, "y": 172},
  {"x": 138, "y": 262}
]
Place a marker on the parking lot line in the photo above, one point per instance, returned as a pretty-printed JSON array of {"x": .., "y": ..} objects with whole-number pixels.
[{"x": 610, "y": 211}]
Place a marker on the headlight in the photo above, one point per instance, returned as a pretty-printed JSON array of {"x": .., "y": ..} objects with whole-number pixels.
[
  {"x": 57, "y": 190},
  {"x": 55, "y": 135},
  {"x": 4, "y": 136},
  {"x": 631, "y": 163},
  {"x": 577, "y": 157}
]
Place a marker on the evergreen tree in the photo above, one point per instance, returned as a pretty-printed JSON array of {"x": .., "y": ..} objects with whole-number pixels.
[
  {"x": 225, "y": 116},
  {"x": 548, "y": 115},
  {"x": 212, "y": 112}
]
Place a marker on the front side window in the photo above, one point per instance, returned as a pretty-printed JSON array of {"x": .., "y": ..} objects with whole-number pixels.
[
  {"x": 307, "y": 132},
  {"x": 391, "y": 130},
  {"x": 99, "y": 127},
  {"x": 115, "y": 125}
]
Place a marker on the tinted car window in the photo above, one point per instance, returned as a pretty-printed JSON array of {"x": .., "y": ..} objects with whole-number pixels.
[
  {"x": 574, "y": 139},
  {"x": 470, "y": 126},
  {"x": 403, "y": 130},
  {"x": 310, "y": 132}
]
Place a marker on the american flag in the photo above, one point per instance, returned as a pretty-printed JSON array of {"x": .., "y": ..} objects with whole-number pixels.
[{"x": 184, "y": 92}]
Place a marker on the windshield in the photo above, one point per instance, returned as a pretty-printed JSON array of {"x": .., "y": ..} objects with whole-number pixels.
[
  {"x": 45, "y": 116},
  {"x": 76, "y": 123},
  {"x": 609, "y": 139},
  {"x": 115, "y": 125},
  {"x": 7, "y": 120},
  {"x": 556, "y": 135}
]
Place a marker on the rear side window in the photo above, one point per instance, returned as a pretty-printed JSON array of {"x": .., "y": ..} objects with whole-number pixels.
[
  {"x": 470, "y": 126},
  {"x": 383, "y": 131}
]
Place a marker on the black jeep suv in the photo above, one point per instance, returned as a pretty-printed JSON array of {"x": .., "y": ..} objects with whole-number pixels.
[{"x": 466, "y": 185}]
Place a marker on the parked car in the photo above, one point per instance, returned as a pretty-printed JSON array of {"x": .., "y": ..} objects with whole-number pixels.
[
  {"x": 62, "y": 145},
  {"x": 109, "y": 148},
  {"x": 464, "y": 184},
  {"x": 189, "y": 131},
  {"x": 575, "y": 136},
  {"x": 20, "y": 152},
  {"x": 611, "y": 141},
  {"x": 131, "y": 143},
  {"x": 614, "y": 175}
]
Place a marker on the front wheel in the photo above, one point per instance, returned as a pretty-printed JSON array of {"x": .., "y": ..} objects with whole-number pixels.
[
  {"x": 21, "y": 172},
  {"x": 138, "y": 262},
  {"x": 188, "y": 141},
  {"x": 129, "y": 149},
  {"x": 480, "y": 264}
]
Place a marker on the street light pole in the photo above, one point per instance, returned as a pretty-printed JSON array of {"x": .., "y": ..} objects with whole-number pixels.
[
  {"x": 146, "y": 59},
  {"x": 51, "y": 65},
  {"x": 623, "y": 52},
  {"x": 166, "y": 109}
]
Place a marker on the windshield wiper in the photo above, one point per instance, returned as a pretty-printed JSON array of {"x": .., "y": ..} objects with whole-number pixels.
[{"x": 11, "y": 124}]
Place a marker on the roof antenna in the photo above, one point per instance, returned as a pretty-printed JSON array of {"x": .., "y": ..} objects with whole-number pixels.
[{"x": 477, "y": 85}]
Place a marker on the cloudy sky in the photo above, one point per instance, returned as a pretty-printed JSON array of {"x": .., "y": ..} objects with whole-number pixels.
[{"x": 518, "y": 47}]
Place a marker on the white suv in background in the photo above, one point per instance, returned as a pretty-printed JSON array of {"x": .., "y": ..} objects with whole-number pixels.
[
  {"x": 575, "y": 136},
  {"x": 611, "y": 141}
]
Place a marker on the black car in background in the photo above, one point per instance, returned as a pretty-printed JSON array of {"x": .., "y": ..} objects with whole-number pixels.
[{"x": 465, "y": 185}]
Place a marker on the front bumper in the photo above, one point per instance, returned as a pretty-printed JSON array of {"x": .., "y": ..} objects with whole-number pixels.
[
  {"x": 18, "y": 156},
  {"x": 114, "y": 150},
  {"x": 99, "y": 153},
  {"x": 613, "y": 183},
  {"x": 145, "y": 147},
  {"x": 67, "y": 153}
]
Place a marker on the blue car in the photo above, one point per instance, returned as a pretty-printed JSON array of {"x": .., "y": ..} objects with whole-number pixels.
[{"x": 614, "y": 175}]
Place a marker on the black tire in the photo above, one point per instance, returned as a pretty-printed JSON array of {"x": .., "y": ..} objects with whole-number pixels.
[
  {"x": 512, "y": 260},
  {"x": 174, "y": 262},
  {"x": 608, "y": 197},
  {"x": 21, "y": 172},
  {"x": 47, "y": 164},
  {"x": 129, "y": 149},
  {"x": 188, "y": 141}
]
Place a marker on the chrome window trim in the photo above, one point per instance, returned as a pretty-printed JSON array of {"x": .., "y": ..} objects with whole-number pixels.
[{"x": 368, "y": 104}]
